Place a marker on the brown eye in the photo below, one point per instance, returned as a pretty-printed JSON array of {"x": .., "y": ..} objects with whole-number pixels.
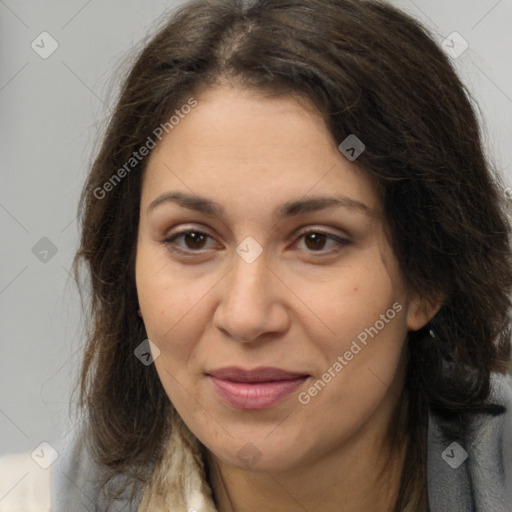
[
  {"x": 321, "y": 242},
  {"x": 190, "y": 241},
  {"x": 194, "y": 239},
  {"x": 315, "y": 241}
]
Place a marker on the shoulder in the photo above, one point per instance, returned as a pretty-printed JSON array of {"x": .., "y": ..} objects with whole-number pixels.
[
  {"x": 24, "y": 486},
  {"x": 77, "y": 479},
  {"x": 64, "y": 479},
  {"x": 61, "y": 477},
  {"x": 470, "y": 464}
]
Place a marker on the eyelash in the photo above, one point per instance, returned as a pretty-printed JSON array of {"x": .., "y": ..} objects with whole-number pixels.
[{"x": 170, "y": 245}]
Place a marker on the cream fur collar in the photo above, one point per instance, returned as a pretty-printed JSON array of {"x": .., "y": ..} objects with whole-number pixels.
[{"x": 178, "y": 482}]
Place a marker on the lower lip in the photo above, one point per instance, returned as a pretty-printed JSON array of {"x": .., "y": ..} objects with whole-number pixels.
[{"x": 260, "y": 395}]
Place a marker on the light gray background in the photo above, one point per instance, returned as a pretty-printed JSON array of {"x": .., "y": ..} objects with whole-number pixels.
[{"x": 51, "y": 113}]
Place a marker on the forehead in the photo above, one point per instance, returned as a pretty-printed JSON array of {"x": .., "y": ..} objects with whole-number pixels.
[{"x": 238, "y": 146}]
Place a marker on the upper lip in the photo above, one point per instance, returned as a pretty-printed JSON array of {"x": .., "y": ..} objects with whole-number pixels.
[{"x": 260, "y": 374}]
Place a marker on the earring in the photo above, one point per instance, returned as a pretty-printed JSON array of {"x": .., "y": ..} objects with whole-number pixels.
[{"x": 431, "y": 333}]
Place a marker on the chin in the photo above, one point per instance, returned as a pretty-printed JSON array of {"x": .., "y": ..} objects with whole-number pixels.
[{"x": 259, "y": 453}]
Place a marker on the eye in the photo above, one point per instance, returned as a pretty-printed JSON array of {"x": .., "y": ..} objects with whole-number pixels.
[
  {"x": 193, "y": 240},
  {"x": 315, "y": 241}
]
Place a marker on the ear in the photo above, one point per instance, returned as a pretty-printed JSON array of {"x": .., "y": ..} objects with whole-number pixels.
[{"x": 420, "y": 311}]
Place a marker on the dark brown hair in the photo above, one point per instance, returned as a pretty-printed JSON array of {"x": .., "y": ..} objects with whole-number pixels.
[{"x": 371, "y": 71}]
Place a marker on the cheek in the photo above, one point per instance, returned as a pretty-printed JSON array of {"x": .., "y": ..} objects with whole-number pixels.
[
  {"x": 361, "y": 338},
  {"x": 169, "y": 302},
  {"x": 353, "y": 299}
]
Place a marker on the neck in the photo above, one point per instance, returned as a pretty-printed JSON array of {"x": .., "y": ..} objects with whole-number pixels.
[{"x": 355, "y": 477}]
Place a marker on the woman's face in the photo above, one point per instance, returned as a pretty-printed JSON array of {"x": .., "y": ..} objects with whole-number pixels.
[{"x": 266, "y": 281}]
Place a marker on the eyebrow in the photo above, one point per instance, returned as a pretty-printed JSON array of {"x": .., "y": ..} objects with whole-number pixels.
[{"x": 289, "y": 209}]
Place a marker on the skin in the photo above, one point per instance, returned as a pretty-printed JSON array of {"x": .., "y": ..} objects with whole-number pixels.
[{"x": 298, "y": 306}]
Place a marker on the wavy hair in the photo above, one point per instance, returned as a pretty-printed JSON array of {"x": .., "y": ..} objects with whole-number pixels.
[{"x": 370, "y": 70}]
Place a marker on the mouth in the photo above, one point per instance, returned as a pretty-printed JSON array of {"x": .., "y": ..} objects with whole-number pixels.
[{"x": 259, "y": 388}]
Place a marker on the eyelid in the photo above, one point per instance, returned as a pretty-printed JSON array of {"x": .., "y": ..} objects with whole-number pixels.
[
  {"x": 318, "y": 229},
  {"x": 341, "y": 240}
]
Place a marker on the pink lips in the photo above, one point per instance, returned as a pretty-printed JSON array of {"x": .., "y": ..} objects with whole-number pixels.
[{"x": 259, "y": 388}]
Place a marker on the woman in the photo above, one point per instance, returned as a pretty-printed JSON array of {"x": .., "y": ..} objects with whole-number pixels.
[{"x": 300, "y": 273}]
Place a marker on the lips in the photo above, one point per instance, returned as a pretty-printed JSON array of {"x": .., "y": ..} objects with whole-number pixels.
[{"x": 259, "y": 388}]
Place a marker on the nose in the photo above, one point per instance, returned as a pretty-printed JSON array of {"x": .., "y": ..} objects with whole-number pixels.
[{"x": 252, "y": 302}]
